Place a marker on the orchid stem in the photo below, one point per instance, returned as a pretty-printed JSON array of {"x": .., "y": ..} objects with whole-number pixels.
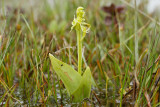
[
  {"x": 81, "y": 29},
  {"x": 79, "y": 43}
]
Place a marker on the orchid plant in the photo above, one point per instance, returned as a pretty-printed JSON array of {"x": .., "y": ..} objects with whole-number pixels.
[{"x": 78, "y": 86}]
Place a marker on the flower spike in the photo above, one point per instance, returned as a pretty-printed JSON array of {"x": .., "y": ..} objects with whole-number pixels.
[{"x": 79, "y": 22}]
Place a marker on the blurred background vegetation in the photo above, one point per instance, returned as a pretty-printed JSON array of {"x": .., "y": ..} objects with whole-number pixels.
[{"x": 30, "y": 29}]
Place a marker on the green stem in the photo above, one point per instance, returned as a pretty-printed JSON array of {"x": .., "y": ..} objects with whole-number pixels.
[
  {"x": 136, "y": 35},
  {"x": 79, "y": 43}
]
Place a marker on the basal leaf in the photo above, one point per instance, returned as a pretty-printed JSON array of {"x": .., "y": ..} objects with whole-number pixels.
[
  {"x": 84, "y": 88},
  {"x": 67, "y": 74}
]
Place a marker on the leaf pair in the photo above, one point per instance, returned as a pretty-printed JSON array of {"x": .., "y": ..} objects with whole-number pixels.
[{"x": 78, "y": 87}]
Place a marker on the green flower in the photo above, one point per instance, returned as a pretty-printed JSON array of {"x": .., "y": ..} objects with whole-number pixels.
[{"x": 79, "y": 22}]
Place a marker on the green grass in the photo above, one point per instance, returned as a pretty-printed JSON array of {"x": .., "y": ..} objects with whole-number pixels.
[{"x": 26, "y": 75}]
